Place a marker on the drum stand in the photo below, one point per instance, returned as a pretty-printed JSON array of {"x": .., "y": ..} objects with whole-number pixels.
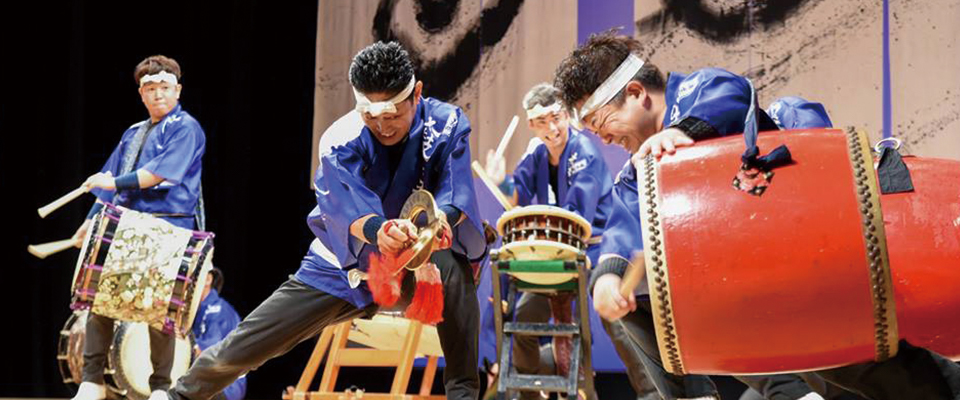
[
  {"x": 578, "y": 331},
  {"x": 398, "y": 343}
]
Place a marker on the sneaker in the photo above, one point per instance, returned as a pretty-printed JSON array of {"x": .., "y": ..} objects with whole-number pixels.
[
  {"x": 91, "y": 391},
  {"x": 812, "y": 396},
  {"x": 159, "y": 395}
]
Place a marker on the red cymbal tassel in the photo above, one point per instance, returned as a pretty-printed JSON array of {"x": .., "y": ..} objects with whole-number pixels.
[
  {"x": 384, "y": 279},
  {"x": 427, "y": 304}
]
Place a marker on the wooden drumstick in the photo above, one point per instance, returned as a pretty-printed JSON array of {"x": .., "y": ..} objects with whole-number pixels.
[
  {"x": 634, "y": 275},
  {"x": 49, "y": 208},
  {"x": 506, "y": 136},
  {"x": 43, "y": 250},
  {"x": 478, "y": 169}
]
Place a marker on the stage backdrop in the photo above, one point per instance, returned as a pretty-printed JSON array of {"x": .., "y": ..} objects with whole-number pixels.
[
  {"x": 829, "y": 51},
  {"x": 893, "y": 69}
]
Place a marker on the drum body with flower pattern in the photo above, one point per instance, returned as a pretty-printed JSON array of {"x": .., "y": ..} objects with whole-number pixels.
[{"x": 138, "y": 268}]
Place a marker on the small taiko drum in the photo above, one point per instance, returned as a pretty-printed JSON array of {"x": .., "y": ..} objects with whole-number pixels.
[
  {"x": 819, "y": 271},
  {"x": 138, "y": 268},
  {"x": 128, "y": 361},
  {"x": 541, "y": 232}
]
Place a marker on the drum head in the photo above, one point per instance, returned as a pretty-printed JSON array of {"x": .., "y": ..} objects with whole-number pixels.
[
  {"x": 544, "y": 210},
  {"x": 70, "y": 348},
  {"x": 130, "y": 359}
]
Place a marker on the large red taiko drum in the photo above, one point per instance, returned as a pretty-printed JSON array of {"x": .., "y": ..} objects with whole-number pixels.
[{"x": 819, "y": 271}]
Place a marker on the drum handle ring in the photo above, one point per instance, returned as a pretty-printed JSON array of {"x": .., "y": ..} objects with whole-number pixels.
[{"x": 896, "y": 144}]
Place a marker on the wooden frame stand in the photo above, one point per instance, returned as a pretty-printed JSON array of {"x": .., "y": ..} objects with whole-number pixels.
[{"x": 393, "y": 341}]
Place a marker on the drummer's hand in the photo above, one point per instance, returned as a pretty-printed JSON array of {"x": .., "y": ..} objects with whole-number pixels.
[
  {"x": 445, "y": 235},
  {"x": 667, "y": 141},
  {"x": 608, "y": 301},
  {"x": 101, "y": 180},
  {"x": 81, "y": 233},
  {"x": 395, "y": 235},
  {"x": 496, "y": 167}
]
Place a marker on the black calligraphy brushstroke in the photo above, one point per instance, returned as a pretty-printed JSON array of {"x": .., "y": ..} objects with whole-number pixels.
[
  {"x": 435, "y": 15},
  {"x": 724, "y": 26},
  {"x": 444, "y": 76}
]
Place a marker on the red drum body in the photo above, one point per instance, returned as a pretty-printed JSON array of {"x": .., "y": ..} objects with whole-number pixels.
[
  {"x": 820, "y": 271},
  {"x": 923, "y": 237}
]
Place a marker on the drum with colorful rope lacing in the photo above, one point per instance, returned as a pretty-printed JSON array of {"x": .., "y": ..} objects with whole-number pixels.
[{"x": 139, "y": 268}]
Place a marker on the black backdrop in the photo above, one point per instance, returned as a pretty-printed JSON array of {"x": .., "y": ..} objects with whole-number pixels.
[{"x": 67, "y": 69}]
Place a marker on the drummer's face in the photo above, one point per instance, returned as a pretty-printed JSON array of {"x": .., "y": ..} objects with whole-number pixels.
[
  {"x": 626, "y": 121},
  {"x": 159, "y": 98},
  {"x": 390, "y": 128},
  {"x": 551, "y": 129}
]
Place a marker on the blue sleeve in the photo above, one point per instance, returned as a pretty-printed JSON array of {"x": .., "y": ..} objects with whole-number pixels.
[
  {"x": 455, "y": 188},
  {"x": 794, "y": 112},
  {"x": 587, "y": 187},
  {"x": 183, "y": 149},
  {"x": 524, "y": 180},
  {"x": 112, "y": 166},
  {"x": 342, "y": 198},
  {"x": 237, "y": 390},
  {"x": 623, "y": 233},
  {"x": 720, "y": 98}
]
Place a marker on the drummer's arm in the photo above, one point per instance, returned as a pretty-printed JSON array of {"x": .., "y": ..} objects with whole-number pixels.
[{"x": 140, "y": 179}]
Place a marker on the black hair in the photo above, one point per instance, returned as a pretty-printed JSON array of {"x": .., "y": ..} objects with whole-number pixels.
[
  {"x": 585, "y": 69},
  {"x": 217, "y": 276},
  {"x": 381, "y": 68}
]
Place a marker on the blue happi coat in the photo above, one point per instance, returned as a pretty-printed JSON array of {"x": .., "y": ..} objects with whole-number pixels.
[
  {"x": 215, "y": 319},
  {"x": 794, "y": 112},
  {"x": 353, "y": 180},
  {"x": 173, "y": 150},
  {"x": 585, "y": 183}
]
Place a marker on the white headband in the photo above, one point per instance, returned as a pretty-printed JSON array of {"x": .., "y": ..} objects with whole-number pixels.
[
  {"x": 608, "y": 89},
  {"x": 364, "y": 105},
  {"x": 539, "y": 110},
  {"x": 162, "y": 76}
]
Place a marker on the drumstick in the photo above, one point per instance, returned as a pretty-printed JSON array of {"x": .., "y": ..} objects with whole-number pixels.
[
  {"x": 43, "y": 250},
  {"x": 478, "y": 169},
  {"x": 506, "y": 136},
  {"x": 634, "y": 274},
  {"x": 49, "y": 208}
]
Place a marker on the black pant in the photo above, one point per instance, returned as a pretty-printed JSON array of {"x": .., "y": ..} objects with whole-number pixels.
[
  {"x": 99, "y": 337},
  {"x": 914, "y": 373},
  {"x": 296, "y": 312},
  {"x": 819, "y": 385}
]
